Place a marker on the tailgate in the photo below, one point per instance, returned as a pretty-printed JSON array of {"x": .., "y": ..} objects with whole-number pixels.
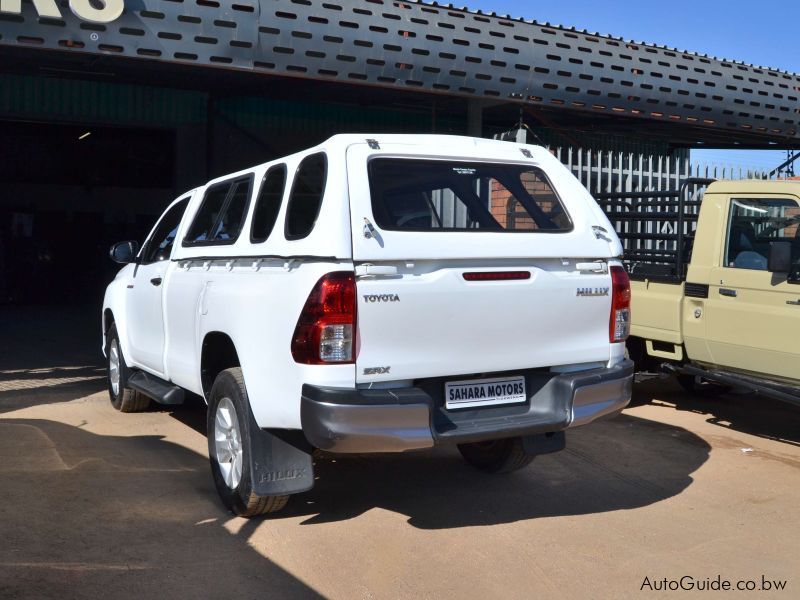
[
  {"x": 429, "y": 321},
  {"x": 466, "y": 266}
]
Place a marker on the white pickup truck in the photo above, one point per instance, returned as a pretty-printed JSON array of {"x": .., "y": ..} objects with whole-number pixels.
[{"x": 375, "y": 295}]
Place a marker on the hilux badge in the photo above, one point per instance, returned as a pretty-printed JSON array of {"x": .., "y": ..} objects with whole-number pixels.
[{"x": 587, "y": 291}]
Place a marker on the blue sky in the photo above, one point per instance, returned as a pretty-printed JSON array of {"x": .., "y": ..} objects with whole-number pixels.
[{"x": 763, "y": 33}]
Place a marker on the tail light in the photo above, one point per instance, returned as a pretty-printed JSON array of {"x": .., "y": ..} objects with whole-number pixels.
[
  {"x": 620, "y": 325},
  {"x": 325, "y": 331}
]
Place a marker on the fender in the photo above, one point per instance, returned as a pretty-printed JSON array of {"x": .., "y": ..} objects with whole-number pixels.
[{"x": 115, "y": 300}]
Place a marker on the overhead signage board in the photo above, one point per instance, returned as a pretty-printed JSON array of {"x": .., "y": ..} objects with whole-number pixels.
[{"x": 101, "y": 11}]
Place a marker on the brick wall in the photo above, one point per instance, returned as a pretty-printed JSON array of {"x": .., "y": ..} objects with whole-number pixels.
[{"x": 503, "y": 203}]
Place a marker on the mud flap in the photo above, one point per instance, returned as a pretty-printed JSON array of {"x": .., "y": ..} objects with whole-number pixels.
[
  {"x": 544, "y": 443},
  {"x": 280, "y": 461}
]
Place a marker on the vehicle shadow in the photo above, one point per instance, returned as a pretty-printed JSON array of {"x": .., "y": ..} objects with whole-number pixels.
[
  {"x": 158, "y": 505},
  {"x": 746, "y": 413},
  {"x": 623, "y": 463},
  {"x": 618, "y": 464},
  {"x": 94, "y": 516},
  {"x": 192, "y": 413}
]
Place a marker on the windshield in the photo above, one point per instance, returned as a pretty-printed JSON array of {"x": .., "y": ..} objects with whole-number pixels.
[{"x": 432, "y": 195}]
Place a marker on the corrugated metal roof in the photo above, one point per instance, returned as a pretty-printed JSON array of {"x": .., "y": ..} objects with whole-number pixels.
[
  {"x": 600, "y": 35},
  {"x": 430, "y": 48}
]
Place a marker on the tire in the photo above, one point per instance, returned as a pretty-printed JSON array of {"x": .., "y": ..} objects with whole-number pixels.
[
  {"x": 496, "y": 456},
  {"x": 123, "y": 398},
  {"x": 228, "y": 427},
  {"x": 697, "y": 386}
]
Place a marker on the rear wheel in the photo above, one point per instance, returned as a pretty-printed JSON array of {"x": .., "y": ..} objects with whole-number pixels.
[
  {"x": 229, "y": 448},
  {"x": 123, "y": 398},
  {"x": 496, "y": 456}
]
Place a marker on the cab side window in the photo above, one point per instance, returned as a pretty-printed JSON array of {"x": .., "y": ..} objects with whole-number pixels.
[
  {"x": 221, "y": 215},
  {"x": 159, "y": 246},
  {"x": 753, "y": 224},
  {"x": 268, "y": 204},
  {"x": 305, "y": 198}
]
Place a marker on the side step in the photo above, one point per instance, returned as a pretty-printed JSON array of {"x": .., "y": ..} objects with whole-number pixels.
[
  {"x": 156, "y": 388},
  {"x": 765, "y": 387}
]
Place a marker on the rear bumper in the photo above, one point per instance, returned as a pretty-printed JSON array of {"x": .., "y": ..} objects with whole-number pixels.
[{"x": 394, "y": 420}]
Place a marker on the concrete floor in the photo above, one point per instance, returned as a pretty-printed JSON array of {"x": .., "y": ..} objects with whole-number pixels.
[{"x": 98, "y": 504}]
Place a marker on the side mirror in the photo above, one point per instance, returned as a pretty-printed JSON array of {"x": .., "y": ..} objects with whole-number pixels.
[
  {"x": 780, "y": 257},
  {"x": 124, "y": 252}
]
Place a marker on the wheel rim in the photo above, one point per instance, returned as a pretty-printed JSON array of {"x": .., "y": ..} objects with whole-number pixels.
[
  {"x": 228, "y": 443},
  {"x": 113, "y": 367}
]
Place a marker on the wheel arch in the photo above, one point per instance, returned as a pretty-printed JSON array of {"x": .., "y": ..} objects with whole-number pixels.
[
  {"x": 108, "y": 320},
  {"x": 114, "y": 313},
  {"x": 217, "y": 353}
]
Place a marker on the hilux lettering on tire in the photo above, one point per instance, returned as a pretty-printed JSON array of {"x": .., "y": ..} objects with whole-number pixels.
[{"x": 382, "y": 298}]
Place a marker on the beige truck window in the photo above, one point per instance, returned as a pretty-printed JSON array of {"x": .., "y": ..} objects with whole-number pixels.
[{"x": 753, "y": 224}]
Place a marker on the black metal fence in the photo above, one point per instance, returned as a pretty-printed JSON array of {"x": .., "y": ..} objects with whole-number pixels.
[{"x": 656, "y": 228}]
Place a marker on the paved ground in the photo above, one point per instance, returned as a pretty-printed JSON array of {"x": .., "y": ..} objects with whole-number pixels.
[{"x": 97, "y": 504}]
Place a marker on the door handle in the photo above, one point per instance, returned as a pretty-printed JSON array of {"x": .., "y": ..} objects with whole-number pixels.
[
  {"x": 595, "y": 267},
  {"x": 794, "y": 302},
  {"x": 156, "y": 281},
  {"x": 368, "y": 270},
  {"x": 727, "y": 292}
]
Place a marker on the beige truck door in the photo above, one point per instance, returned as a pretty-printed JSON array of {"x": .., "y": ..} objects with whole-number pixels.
[{"x": 753, "y": 315}]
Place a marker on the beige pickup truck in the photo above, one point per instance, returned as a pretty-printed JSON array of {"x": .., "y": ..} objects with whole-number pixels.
[{"x": 715, "y": 283}]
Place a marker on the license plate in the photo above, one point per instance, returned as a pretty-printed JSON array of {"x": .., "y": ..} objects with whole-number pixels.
[{"x": 484, "y": 392}]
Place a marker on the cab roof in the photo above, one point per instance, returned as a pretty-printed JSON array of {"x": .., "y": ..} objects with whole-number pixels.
[
  {"x": 755, "y": 186},
  {"x": 435, "y": 144}
]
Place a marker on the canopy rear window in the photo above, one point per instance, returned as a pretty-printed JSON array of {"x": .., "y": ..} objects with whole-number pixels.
[{"x": 432, "y": 195}]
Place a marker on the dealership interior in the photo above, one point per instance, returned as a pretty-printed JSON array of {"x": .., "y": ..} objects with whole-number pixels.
[{"x": 87, "y": 161}]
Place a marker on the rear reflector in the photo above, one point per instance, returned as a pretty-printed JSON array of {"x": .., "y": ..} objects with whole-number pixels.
[
  {"x": 620, "y": 323},
  {"x": 497, "y": 275},
  {"x": 326, "y": 328}
]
